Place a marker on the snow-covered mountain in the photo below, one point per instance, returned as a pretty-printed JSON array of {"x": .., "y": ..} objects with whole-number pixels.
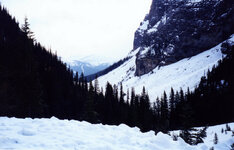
[
  {"x": 90, "y": 64},
  {"x": 175, "y": 45},
  {"x": 87, "y": 68},
  {"x": 182, "y": 74},
  {"x": 176, "y": 29},
  {"x": 55, "y": 134}
]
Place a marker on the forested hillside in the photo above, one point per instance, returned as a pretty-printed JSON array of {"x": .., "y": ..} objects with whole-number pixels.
[{"x": 34, "y": 82}]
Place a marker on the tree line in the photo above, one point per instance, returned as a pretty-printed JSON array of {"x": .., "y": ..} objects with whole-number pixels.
[{"x": 34, "y": 82}]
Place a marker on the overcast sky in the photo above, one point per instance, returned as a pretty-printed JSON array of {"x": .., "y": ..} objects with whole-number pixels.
[{"x": 79, "y": 28}]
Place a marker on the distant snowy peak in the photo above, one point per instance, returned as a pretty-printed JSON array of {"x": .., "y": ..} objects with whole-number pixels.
[
  {"x": 90, "y": 64},
  {"x": 95, "y": 60},
  {"x": 182, "y": 74},
  {"x": 87, "y": 68}
]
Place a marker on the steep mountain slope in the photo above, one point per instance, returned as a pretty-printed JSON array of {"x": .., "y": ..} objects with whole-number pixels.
[
  {"x": 176, "y": 29},
  {"x": 184, "y": 73},
  {"x": 187, "y": 33},
  {"x": 107, "y": 70}
]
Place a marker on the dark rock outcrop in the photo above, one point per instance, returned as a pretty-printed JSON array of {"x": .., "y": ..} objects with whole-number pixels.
[{"x": 175, "y": 29}]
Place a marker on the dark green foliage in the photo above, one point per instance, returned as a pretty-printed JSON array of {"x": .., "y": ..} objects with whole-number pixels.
[
  {"x": 90, "y": 114},
  {"x": 172, "y": 101},
  {"x": 76, "y": 78},
  {"x": 144, "y": 111},
  {"x": 174, "y": 137},
  {"x": 26, "y": 30},
  {"x": 232, "y": 146},
  {"x": 228, "y": 128},
  {"x": 200, "y": 135},
  {"x": 215, "y": 139},
  {"x": 186, "y": 136},
  {"x": 193, "y": 136},
  {"x": 202, "y": 132},
  {"x": 164, "y": 112}
]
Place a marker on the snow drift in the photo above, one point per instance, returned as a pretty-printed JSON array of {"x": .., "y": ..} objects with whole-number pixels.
[{"x": 55, "y": 134}]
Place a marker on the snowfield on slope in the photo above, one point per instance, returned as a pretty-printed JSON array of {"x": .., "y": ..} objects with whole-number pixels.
[
  {"x": 182, "y": 74},
  {"x": 55, "y": 134}
]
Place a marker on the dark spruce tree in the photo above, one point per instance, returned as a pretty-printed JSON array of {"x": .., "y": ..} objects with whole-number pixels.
[
  {"x": 26, "y": 29},
  {"x": 215, "y": 138}
]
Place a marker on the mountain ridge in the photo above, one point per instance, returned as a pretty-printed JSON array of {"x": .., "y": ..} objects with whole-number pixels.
[
  {"x": 174, "y": 30},
  {"x": 86, "y": 68}
]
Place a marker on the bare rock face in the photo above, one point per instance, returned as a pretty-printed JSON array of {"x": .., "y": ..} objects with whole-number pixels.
[
  {"x": 145, "y": 65},
  {"x": 175, "y": 29},
  {"x": 227, "y": 47}
]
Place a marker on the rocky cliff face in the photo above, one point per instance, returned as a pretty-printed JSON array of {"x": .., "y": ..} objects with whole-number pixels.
[{"x": 175, "y": 29}]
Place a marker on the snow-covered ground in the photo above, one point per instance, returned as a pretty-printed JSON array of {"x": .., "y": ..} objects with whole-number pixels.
[
  {"x": 55, "y": 134},
  {"x": 182, "y": 74}
]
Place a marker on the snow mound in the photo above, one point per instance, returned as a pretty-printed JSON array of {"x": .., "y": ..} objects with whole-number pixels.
[
  {"x": 182, "y": 74},
  {"x": 55, "y": 134}
]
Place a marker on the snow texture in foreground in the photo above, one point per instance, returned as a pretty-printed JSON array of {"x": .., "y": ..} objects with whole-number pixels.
[
  {"x": 182, "y": 74},
  {"x": 55, "y": 134}
]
